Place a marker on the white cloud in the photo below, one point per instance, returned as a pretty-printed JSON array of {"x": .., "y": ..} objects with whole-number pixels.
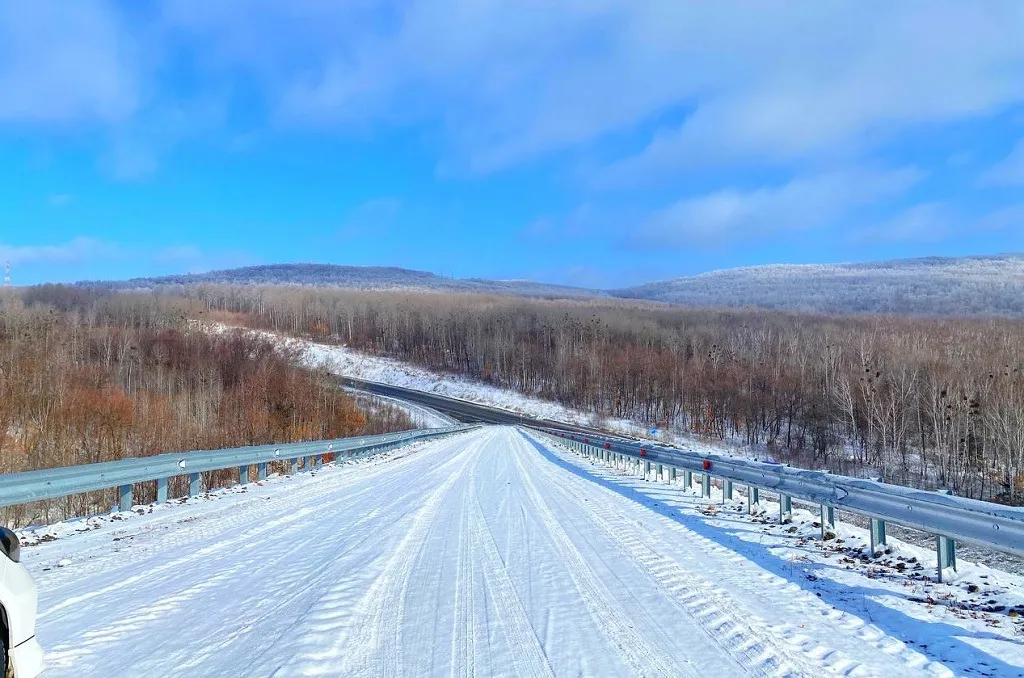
[
  {"x": 74, "y": 251},
  {"x": 1008, "y": 218},
  {"x": 923, "y": 223},
  {"x": 804, "y": 203},
  {"x": 371, "y": 217},
  {"x": 60, "y": 199},
  {"x": 769, "y": 81},
  {"x": 64, "y": 63},
  {"x": 1009, "y": 171},
  {"x": 95, "y": 258}
]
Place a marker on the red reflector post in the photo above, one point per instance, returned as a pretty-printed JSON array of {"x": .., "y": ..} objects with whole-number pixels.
[
  {"x": 607, "y": 446},
  {"x": 643, "y": 452},
  {"x": 707, "y": 464}
]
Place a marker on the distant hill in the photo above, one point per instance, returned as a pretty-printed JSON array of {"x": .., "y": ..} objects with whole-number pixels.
[
  {"x": 990, "y": 285},
  {"x": 350, "y": 277},
  {"x": 985, "y": 285}
]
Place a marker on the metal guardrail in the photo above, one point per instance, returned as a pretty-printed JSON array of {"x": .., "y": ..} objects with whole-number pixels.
[
  {"x": 29, "y": 486},
  {"x": 949, "y": 518}
]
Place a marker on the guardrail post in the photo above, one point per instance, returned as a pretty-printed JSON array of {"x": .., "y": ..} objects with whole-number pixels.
[
  {"x": 753, "y": 498},
  {"x": 309, "y": 463},
  {"x": 195, "y": 484},
  {"x": 293, "y": 466},
  {"x": 672, "y": 474},
  {"x": 243, "y": 475},
  {"x": 161, "y": 490},
  {"x": 726, "y": 490},
  {"x": 877, "y": 535},
  {"x": 688, "y": 479},
  {"x": 785, "y": 508},
  {"x": 828, "y": 522},
  {"x": 946, "y": 548},
  {"x": 261, "y": 471},
  {"x": 124, "y": 498},
  {"x": 705, "y": 485},
  {"x": 660, "y": 474},
  {"x": 647, "y": 470}
]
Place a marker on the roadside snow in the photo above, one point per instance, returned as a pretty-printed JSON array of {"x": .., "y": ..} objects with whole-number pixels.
[
  {"x": 344, "y": 361},
  {"x": 973, "y": 625},
  {"x": 485, "y": 553},
  {"x": 421, "y": 415}
]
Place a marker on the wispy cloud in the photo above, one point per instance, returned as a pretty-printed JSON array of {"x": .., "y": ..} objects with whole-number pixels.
[
  {"x": 74, "y": 251},
  {"x": 724, "y": 216},
  {"x": 371, "y": 217},
  {"x": 59, "y": 199},
  {"x": 507, "y": 82},
  {"x": 66, "y": 63},
  {"x": 86, "y": 254},
  {"x": 1007, "y": 218},
  {"x": 923, "y": 223},
  {"x": 1009, "y": 171}
]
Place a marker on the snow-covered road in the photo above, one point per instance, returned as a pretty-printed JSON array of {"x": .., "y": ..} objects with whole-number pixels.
[{"x": 473, "y": 555}]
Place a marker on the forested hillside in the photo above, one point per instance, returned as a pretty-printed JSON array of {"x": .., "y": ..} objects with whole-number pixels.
[
  {"x": 349, "y": 277},
  {"x": 925, "y": 402},
  {"x": 88, "y": 377},
  {"x": 932, "y": 286},
  {"x": 966, "y": 286}
]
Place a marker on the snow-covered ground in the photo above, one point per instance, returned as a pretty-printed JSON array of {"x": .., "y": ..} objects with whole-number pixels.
[
  {"x": 421, "y": 415},
  {"x": 344, "y": 361},
  {"x": 971, "y": 625},
  {"x": 489, "y": 553}
]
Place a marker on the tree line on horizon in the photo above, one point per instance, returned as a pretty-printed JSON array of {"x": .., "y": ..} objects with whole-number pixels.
[{"x": 926, "y": 402}]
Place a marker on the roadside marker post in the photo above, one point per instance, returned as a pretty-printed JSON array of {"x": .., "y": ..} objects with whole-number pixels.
[
  {"x": 785, "y": 509},
  {"x": 877, "y": 530},
  {"x": 828, "y": 522},
  {"x": 124, "y": 498}
]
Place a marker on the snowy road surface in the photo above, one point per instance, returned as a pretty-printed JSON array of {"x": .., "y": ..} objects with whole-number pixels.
[{"x": 473, "y": 555}]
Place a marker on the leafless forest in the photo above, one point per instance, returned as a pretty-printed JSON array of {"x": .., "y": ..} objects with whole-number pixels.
[
  {"x": 88, "y": 376},
  {"x": 923, "y": 402}
]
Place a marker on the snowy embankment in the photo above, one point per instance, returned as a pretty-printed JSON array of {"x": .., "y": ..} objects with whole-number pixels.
[
  {"x": 421, "y": 416},
  {"x": 972, "y": 625},
  {"x": 489, "y": 553},
  {"x": 347, "y": 362}
]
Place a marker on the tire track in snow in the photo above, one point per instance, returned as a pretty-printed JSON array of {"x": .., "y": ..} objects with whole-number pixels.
[
  {"x": 463, "y": 649},
  {"x": 377, "y": 651},
  {"x": 214, "y": 524},
  {"x": 642, "y": 657},
  {"x": 298, "y": 541},
  {"x": 892, "y": 657},
  {"x": 527, "y": 654},
  {"x": 710, "y": 606},
  {"x": 324, "y": 631}
]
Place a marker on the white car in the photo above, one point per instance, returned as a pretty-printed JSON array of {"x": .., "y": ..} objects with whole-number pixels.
[{"x": 21, "y": 655}]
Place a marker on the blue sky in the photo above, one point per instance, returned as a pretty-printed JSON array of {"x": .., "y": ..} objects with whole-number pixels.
[{"x": 593, "y": 142}]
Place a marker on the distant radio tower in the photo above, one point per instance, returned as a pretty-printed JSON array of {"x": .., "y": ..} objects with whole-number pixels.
[{"x": 7, "y": 274}]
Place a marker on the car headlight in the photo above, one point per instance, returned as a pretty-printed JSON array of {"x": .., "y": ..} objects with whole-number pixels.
[{"x": 9, "y": 544}]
